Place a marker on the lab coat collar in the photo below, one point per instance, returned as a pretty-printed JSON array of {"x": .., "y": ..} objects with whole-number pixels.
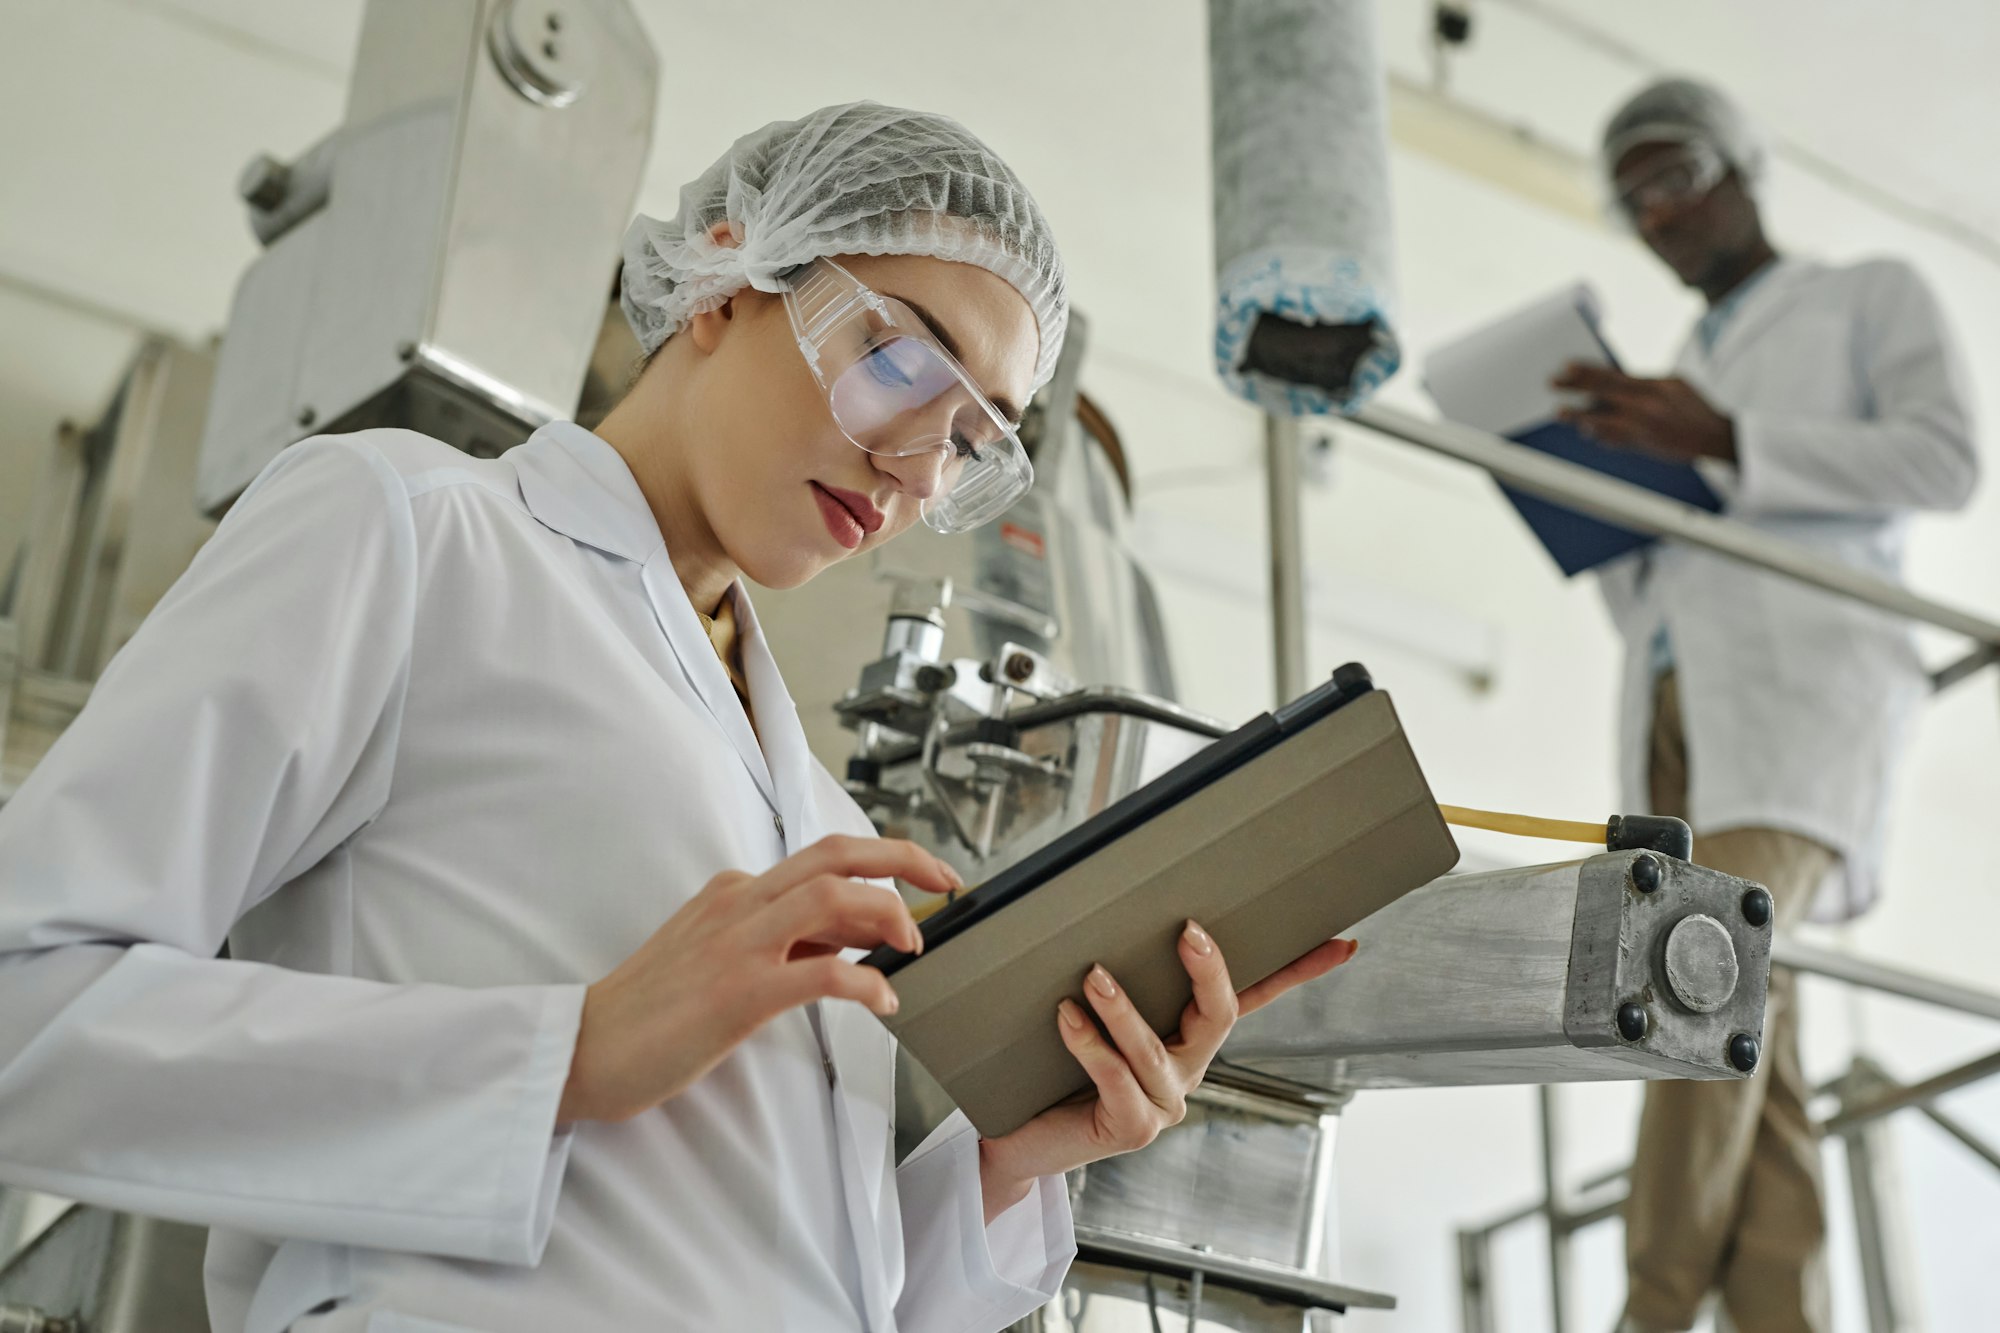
[
  {"x": 577, "y": 484},
  {"x": 1775, "y": 290}
]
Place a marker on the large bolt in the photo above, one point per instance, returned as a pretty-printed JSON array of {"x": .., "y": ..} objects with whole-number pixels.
[
  {"x": 1632, "y": 1021},
  {"x": 1701, "y": 963},
  {"x": 1646, "y": 872},
  {"x": 264, "y": 182},
  {"x": 1757, "y": 907},
  {"x": 1743, "y": 1052}
]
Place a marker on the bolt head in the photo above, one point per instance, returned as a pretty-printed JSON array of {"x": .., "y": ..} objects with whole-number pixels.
[
  {"x": 1743, "y": 1052},
  {"x": 1632, "y": 1021},
  {"x": 1020, "y": 666},
  {"x": 1757, "y": 907},
  {"x": 1646, "y": 873}
]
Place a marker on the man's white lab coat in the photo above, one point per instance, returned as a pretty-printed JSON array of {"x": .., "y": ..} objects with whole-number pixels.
[
  {"x": 1851, "y": 411},
  {"x": 435, "y": 742}
]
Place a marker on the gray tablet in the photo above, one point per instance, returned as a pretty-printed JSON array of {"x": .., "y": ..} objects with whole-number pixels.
[{"x": 1278, "y": 837}]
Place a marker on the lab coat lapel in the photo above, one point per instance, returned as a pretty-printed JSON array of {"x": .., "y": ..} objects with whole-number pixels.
[
  {"x": 784, "y": 739},
  {"x": 1763, "y": 304},
  {"x": 576, "y": 483},
  {"x": 704, "y": 669}
]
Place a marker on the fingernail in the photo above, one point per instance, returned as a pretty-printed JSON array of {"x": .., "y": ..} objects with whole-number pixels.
[
  {"x": 1101, "y": 982},
  {"x": 1071, "y": 1016},
  {"x": 951, "y": 874},
  {"x": 1353, "y": 947},
  {"x": 1198, "y": 937},
  {"x": 895, "y": 1002}
]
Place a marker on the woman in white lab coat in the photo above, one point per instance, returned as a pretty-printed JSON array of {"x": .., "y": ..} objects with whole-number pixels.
[{"x": 536, "y": 1014}]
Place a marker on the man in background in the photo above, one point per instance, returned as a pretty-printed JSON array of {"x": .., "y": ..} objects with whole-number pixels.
[{"x": 1824, "y": 404}]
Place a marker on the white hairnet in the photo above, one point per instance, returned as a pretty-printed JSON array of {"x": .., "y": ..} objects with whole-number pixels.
[
  {"x": 1681, "y": 111},
  {"x": 861, "y": 179}
]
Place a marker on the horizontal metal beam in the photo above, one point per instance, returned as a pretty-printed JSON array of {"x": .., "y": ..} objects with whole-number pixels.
[
  {"x": 1854, "y": 1115},
  {"x": 1959, "y": 1130},
  {"x": 1271, "y": 1281},
  {"x": 1577, "y": 487},
  {"x": 1839, "y": 966}
]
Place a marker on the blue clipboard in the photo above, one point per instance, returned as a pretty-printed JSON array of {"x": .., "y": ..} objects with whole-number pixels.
[{"x": 1578, "y": 542}]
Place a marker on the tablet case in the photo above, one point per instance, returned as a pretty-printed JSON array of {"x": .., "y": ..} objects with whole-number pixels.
[{"x": 1274, "y": 857}]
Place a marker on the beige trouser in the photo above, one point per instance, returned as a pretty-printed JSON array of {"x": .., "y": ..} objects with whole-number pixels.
[{"x": 1726, "y": 1180}]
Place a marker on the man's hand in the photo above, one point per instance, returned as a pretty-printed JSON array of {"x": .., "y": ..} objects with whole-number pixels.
[
  {"x": 1141, "y": 1082},
  {"x": 1666, "y": 417}
]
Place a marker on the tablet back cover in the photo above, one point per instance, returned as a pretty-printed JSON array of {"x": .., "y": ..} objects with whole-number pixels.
[{"x": 1273, "y": 858}]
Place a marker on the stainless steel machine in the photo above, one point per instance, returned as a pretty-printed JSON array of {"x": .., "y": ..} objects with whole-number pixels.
[{"x": 439, "y": 261}]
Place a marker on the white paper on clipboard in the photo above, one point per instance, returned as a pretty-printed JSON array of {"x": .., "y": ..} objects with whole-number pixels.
[{"x": 1497, "y": 378}]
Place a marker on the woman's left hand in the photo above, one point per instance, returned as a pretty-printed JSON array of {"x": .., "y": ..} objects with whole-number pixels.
[{"x": 1142, "y": 1081}]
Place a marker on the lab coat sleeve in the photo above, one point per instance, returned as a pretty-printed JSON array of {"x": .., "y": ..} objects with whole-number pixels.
[
  {"x": 247, "y": 731},
  {"x": 1913, "y": 448},
  {"x": 962, "y": 1275}
]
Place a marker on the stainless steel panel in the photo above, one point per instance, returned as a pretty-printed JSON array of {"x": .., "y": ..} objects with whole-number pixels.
[
  {"x": 453, "y": 279},
  {"x": 1515, "y": 976},
  {"x": 113, "y": 1273},
  {"x": 1243, "y": 1175}
]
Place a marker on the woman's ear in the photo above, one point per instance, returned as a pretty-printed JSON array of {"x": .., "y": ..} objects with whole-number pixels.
[{"x": 706, "y": 329}]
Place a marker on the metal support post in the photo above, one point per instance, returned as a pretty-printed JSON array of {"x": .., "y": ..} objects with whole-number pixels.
[
  {"x": 1557, "y": 1208},
  {"x": 1879, "y": 1231},
  {"x": 1475, "y": 1280},
  {"x": 1288, "y": 585}
]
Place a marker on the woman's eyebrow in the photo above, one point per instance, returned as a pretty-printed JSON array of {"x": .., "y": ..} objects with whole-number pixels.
[{"x": 1006, "y": 406}]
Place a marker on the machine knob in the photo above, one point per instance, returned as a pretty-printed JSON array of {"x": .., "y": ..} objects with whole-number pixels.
[
  {"x": 1646, "y": 872},
  {"x": 1701, "y": 963}
]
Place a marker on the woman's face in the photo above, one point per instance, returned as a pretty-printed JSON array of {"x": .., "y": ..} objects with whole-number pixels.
[{"x": 781, "y": 490}]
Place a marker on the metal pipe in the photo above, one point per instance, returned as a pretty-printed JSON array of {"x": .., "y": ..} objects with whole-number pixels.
[
  {"x": 1800, "y": 957},
  {"x": 1577, "y": 487},
  {"x": 1853, "y": 1115},
  {"x": 1953, "y": 1126},
  {"x": 1288, "y": 584},
  {"x": 1557, "y": 1207},
  {"x": 1475, "y": 1286}
]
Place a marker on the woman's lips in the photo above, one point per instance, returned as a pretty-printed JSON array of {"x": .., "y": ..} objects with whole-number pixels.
[
  {"x": 840, "y": 520},
  {"x": 865, "y": 513}
]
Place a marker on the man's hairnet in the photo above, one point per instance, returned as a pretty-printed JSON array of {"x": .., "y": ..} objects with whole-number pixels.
[
  {"x": 1683, "y": 111},
  {"x": 861, "y": 179}
]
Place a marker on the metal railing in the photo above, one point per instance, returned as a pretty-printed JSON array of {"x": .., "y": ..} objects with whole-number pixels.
[{"x": 1866, "y": 1095}]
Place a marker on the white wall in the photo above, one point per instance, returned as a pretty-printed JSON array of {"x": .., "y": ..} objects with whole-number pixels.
[{"x": 128, "y": 124}]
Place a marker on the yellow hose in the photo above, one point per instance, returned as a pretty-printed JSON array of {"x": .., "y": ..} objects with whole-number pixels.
[{"x": 1525, "y": 826}]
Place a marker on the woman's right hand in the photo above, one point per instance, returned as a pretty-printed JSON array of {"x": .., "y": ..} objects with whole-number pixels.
[{"x": 742, "y": 951}]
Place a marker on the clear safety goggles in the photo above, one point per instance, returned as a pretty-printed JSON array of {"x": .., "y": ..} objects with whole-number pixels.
[
  {"x": 1677, "y": 180},
  {"x": 896, "y": 392}
]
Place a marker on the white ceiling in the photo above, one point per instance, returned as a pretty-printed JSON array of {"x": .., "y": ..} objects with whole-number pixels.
[{"x": 1902, "y": 95}]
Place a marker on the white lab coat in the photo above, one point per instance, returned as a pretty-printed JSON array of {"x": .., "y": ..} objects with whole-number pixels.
[
  {"x": 1851, "y": 410},
  {"x": 435, "y": 742}
]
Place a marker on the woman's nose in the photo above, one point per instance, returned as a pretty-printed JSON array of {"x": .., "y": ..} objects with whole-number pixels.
[{"x": 918, "y": 475}]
